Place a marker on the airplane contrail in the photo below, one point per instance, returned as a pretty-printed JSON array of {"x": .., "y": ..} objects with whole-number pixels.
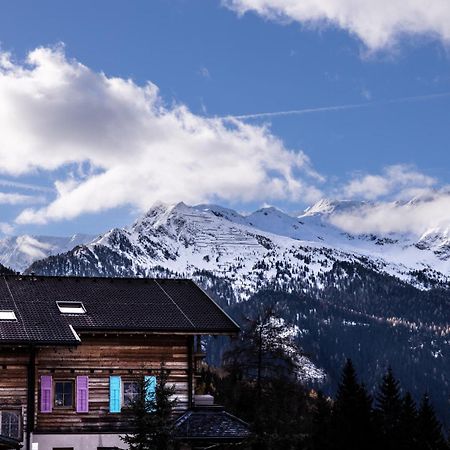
[
  {"x": 26, "y": 186},
  {"x": 291, "y": 112}
]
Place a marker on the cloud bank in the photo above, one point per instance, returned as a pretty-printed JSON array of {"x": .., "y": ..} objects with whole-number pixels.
[
  {"x": 398, "y": 181},
  {"x": 398, "y": 200},
  {"x": 379, "y": 24},
  {"x": 111, "y": 142},
  {"x": 418, "y": 216}
]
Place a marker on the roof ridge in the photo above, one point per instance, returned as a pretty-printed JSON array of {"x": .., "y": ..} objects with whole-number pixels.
[
  {"x": 175, "y": 303},
  {"x": 29, "y": 276}
]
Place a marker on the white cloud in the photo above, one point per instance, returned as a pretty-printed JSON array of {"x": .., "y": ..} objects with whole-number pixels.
[
  {"x": 32, "y": 247},
  {"x": 118, "y": 144},
  {"x": 204, "y": 72},
  {"x": 12, "y": 198},
  {"x": 429, "y": 211},
  {"x": 390, "y": 208},
  {"x": 366, "y": 94},
  {"x": 378, "y": 23},
  {"x": 398, "y": 181},
  {"x": 6, "y": 228}
]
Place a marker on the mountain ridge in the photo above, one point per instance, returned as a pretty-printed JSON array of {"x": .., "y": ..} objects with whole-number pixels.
[{"x": 186, "y": 238}]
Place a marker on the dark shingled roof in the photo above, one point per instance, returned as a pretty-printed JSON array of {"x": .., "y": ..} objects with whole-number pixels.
[
  {"x": 210, "y": 424},
  {"x": 9, "y": 443},
  {"x": 112, "y": 304}
]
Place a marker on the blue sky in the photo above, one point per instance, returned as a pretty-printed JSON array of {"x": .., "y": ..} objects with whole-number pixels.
[{"x": 204, "y": 55}]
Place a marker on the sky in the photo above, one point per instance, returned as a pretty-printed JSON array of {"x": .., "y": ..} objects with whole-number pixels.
[{"x": 107, "y": 107}]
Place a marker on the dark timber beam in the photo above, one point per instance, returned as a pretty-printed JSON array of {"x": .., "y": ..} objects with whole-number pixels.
[
  {"x": 31, "y": 380},
  {"x": 190, "y": 369}
]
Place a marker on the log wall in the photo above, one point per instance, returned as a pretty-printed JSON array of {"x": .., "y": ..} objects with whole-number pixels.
[
  {"x": 99, "y": 357},
  {"x": 13, "y": 381}
]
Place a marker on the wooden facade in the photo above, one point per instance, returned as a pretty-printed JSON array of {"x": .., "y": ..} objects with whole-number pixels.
[
  {"x": 14, "y": 387},
  {"x": 99, "y": 356},
  {"x": 129, "y": 357}
]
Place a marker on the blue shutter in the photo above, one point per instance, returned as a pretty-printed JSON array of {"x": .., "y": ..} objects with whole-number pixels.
[
  {"x": 114, "y": 394},
  {"x": 150, "y": 386}
]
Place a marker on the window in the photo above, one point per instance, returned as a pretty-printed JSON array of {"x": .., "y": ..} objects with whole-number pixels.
[
  {"x": 108, "y": 448},
  {"x": 10, "y": 424},
  {"x": 71, "y": 307},
  {"x": 130, "y": 392},
  {"x": 6, "y": 314},
  {"x": 63, "y": 394}
]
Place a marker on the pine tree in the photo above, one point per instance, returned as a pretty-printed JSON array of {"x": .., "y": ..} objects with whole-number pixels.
[
  {"x": 267, "y": 349},
  {"x": 321, "y": 423},
  {"x": 352, "y": 414},
  {"x": 408, "y": 424},
  {"x": 151, "y": 416},
  {"x": 430, "y": 435},
  {"x": 388, "y": 410},
  {"x": 263, "y": 383}
]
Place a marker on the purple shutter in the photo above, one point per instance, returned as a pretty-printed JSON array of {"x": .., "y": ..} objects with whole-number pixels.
[
  {"x": 82, "y": 394},
  {"x": 46, "y": 393}
]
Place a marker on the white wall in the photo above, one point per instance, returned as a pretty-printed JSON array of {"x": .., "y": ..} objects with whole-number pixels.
[{"x": 77, "y": 441}]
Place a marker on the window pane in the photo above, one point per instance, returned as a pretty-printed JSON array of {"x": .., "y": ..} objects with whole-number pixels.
[
  {"x": 5, "y": 424},
  {"x": 59, "y": 399},
  {"x": 126, "y": 400},
  {"x": 64, "y": 393},
  {"x": 130, "y": 392},
  {"x": 15, "y": 429},
  {"x": 68, "y": 399},
  {"x": 10, "y": 424}
]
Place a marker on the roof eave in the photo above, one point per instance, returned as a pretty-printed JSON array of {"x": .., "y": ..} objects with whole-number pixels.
[
  {"x": 165, "y": 331},
  {"x": 38, "y": 343}
]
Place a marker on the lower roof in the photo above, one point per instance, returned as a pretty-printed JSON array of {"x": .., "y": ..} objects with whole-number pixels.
[
  {"x": 210, "y": 424},
  {"x": 110, "y": 304},
  {"x": 9, "y": 443}
]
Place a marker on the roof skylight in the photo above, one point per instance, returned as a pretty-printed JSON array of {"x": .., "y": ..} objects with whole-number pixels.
[
  {"x": 71, "y": 307},
  {"x": 7, "y": 314}
]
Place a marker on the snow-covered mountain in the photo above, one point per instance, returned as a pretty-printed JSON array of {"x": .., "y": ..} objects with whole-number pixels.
[
  {"x": 18, "y": 252},
  {"x": 265, "y": 247}
]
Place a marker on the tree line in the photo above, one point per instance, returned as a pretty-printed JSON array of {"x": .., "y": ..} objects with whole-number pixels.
[{"x": 262, "y": 381}]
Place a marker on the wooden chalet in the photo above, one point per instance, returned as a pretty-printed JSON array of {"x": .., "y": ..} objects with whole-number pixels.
[{"x": 72, "y": 352}]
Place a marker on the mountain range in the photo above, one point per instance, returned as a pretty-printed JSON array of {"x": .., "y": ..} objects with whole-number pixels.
[
  {"x": 250, "y": 250},
  {"x": 381, "y": 299}
]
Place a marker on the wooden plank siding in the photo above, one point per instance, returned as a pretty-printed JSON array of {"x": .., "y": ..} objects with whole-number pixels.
[
  {"x": 99, "y": 357},
  {"x": 13, "y": 381}
]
